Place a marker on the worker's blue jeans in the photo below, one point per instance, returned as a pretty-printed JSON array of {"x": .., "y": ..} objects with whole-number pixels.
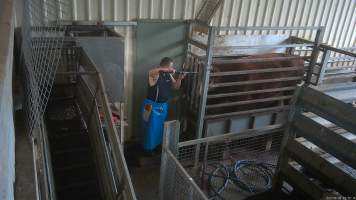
[{"x": 153, "y": 128}]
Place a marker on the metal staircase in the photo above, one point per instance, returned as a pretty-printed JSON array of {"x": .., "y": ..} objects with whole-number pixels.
[{"x": 72, "y": 160}]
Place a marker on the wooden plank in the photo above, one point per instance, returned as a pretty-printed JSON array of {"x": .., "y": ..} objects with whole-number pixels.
[
  {"x": 218, "y": 60},
  {"x": 239, "y": 83},
  {"x": 237, "y": 103},
  {"x": 326, "y": 171},
  {"x": 268, "y": 70},
  {"x": 232, "y": 94},
  {"x": 247, "y": 112},
  {"x": 328, "y": 140},
  {"x": 349, "y": 53},
  {"x": 334, "y": 110},
  {"x": 198, "y": 44},
  {"x": 300, "y": 181}
]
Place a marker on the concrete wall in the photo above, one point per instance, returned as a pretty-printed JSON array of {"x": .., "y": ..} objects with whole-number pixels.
[{"x": 7, "y": 132}]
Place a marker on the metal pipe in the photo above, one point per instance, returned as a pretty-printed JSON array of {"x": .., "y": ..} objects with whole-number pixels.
[{"x": 204, "y": 88}]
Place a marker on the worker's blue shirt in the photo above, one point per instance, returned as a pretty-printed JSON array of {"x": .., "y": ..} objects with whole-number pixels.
[{"x": 161, "y": 91}]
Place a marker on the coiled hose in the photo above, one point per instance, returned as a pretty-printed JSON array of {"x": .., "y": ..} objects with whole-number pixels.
[{"x": 249, "y": 175}]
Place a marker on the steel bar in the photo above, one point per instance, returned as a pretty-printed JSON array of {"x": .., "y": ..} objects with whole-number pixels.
[
  {"x": 244, "y": 28},
  {"x": 238, "y": 103},
  {"x": 345, "y": 52},
  {"x": 78, "y": 73},
  {"x": 96, "y": 23},
  {"x": 300, "y": 40},
  {"x": 315, "y": 53},
  {"x": 255, "y": 60},
  {"x": 198, "y": 44},
  {"x": 216, "y": 85},
  {"x": 263, "y": 46},
  {"x": 204, "y": 88},
  {"x": 241, "y": 72},
  {"x": 231, "y": 94},
  {"x": 248, "y": 113},
  {"x": 324, "y": 63},
  {"x": 235, "y": 135}
]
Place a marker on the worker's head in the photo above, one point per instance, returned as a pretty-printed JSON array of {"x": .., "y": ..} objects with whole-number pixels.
[{"x": 166, "y": 62}]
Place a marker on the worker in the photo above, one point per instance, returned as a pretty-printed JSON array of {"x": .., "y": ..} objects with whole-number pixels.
[{"x": 161, "y": 81}]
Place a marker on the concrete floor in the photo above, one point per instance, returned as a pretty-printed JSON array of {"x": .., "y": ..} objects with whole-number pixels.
[
  {"x": 25, "y": 180},
  {"x": 144, "y": 170},
  {"x": 145, "y": 181}
]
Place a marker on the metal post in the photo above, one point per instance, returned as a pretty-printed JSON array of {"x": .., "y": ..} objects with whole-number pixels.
[
  {"x": 204, "y": 89},
  {"x": 170, "y": 143},
  {"x": 122, "y": 124},
  {"x": 287, "y": 136},
  {"x": 314, "y": 56},
  {"x": 323, "y": 66}
]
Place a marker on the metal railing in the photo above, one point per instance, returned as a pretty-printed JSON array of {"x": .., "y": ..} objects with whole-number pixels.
[
  {"x": 89, "y": 90},
  {"x": 316, "y": 156},
  {"x": 335, "y": 66},
  {"x": 185, "y": 176},
  {"x": 206, "y": 47}
]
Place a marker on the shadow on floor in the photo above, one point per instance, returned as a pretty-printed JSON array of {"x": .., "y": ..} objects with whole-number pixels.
[
  {"x": 144, "y": 170},
  {"x": 25, "y": 180}
]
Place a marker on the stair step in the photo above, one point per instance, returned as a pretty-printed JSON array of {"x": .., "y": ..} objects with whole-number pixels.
[
  {"x": 72, "y": 167},
  {"x": 71, "y": 157},
  {"x": 82, "y": 190},
  {"x": 75, "y": 175},
  {"x": 66, "y": 125},
  {"x": 66, "y": 134},
  {"x": 72, "y": 160},
  {"x": 71, "y": 141}
]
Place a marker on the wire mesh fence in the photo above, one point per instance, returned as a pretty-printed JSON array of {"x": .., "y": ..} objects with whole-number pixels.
[
  {"x": 42, "y": 41},
  {"x": 230, "y": 166}
]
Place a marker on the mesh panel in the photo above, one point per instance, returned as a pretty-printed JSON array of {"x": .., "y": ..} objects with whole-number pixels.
[
  {"x": 259, "y": 153},
  {"x": 42, "y": 40},
  {"x": 177, "y": 184}
]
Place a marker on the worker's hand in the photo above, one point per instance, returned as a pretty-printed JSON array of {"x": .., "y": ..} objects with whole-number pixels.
[
  {"x": 181, "y": 76},
  {"x": 168, "y": 70}
]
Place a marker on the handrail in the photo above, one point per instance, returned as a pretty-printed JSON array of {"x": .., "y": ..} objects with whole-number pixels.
[
  {"x": 345, "y": 60},
  {"x": 113, "y": 149},
  {"x": 120, "y": 166}
]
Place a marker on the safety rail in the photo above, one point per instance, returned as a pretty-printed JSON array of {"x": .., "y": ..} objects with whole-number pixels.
[
  {"x": 336, "y": 65},
  {"x": 210, "y": 47},
  {"x": 318, "y": 151},
  {"x": 185, "y": 176},
  {"x": 90, "y": 92}
]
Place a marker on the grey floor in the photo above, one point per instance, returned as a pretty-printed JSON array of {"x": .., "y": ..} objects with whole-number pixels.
[
  {"x": 145, "y": 181},
  {"x": 24, "y": 182}
]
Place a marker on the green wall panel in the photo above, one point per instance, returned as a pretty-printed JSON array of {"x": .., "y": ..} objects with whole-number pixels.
[{"x": 155, "y": 39}]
